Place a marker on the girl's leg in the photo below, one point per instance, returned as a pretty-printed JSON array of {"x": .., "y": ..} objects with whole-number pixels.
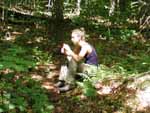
[
  {"x": 67, "y": 73},
  {"x": 88, "y": 70},
  {"x": 63, "y": 72},
  {"x": 72, "y": 69}
]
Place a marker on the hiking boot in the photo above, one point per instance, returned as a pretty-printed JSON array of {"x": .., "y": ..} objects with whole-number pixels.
[
  {"x": 60, "y": 83},
  {"x": 66, "y": 88}
]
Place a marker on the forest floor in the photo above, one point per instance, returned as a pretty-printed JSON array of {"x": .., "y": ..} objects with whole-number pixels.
[{"x": 47, "y": 74}]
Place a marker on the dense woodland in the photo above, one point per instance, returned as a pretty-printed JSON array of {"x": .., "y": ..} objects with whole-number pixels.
[{"x": 31, "y": 35}]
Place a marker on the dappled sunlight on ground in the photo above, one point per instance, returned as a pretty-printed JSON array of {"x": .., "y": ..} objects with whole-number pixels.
[
  {"x": 107, "y": 94},
  {"x": 46, "y": 74},
  {"x": 36, "y": 77}
]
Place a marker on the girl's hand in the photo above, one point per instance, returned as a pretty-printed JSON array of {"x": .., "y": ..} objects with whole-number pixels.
[
  {"x": 66, "y": 49},
  {"x": 68, "y": 53},
  {"x": 63, "y": 48}
]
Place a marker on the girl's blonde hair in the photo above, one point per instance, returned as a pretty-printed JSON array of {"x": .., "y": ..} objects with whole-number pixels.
[{"x": 80, "y": 32}]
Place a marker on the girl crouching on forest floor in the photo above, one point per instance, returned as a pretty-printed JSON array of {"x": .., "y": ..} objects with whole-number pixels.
[{"x": 82, "y": 50}]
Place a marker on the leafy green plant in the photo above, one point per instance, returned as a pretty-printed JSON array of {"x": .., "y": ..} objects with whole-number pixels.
[
  {"x": 136, "y": 63},
  {"x": 88, "y": 85},
  {"x": 16, "y": 58},
  {"x": 42, "y": 57},
  {"x": 126, "y": 34},
  {"x": 119, "y": 34},
  {"x": 89, "y": 9},
  {"x": 87, "y": 88},
  {"x": 23, "y": 96}
]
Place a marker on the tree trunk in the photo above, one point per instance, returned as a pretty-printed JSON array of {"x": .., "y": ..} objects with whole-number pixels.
[
  {"x": 55, "y": 26},
  {"x": 57, "y": 12},
  {"x": 78, "y": 7},
  {"x": 50, "y": 4},
  {"x": 3, "y": 13},
  {"x": 123, "y": 5},
  {"x": 112, "y": 7}
]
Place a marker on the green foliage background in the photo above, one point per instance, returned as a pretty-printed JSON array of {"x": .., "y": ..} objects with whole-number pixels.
[{"x": 121, "y": 41}]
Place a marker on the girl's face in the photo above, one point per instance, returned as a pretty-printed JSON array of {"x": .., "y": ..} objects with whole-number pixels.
[{"x": 75, "y": 38}]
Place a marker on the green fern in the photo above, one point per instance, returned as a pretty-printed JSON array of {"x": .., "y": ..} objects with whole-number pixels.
[{"x": 16, "y": 58}]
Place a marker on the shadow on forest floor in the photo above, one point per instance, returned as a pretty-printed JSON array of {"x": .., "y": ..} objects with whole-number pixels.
[{"x": 110, "y": 52}]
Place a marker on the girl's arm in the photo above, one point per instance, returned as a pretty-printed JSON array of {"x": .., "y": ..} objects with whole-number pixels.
[
  {"x": 77, "y": 57},
  {"x": 77, "y": 49},
  {"x": 81, "y": 54}
]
